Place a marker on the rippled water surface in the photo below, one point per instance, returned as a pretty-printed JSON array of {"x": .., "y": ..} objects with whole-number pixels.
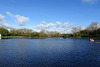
[{"x": 49, "y": 53}]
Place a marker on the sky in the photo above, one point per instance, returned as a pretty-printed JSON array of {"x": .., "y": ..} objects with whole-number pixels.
[{"x": 51, "y": 15}]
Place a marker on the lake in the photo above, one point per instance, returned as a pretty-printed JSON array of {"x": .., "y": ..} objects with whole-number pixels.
[{"x": 49, "y": 53}]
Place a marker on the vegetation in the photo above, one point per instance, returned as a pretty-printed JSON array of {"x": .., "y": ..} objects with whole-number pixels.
[
  {"x": 4, "y": 32},
  {"x": 92, "y": 31}
]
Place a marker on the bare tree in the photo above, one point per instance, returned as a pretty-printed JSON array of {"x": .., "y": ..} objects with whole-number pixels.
[
  {"x": 93, "y": 26},
  {"x": 75, "y": 29}
]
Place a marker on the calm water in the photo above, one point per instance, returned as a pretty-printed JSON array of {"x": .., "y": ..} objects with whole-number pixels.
[{"x": 49, "y": 53}]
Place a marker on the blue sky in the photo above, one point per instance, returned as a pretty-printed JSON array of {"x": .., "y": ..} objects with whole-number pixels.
[{"x": 55, "y": 15}]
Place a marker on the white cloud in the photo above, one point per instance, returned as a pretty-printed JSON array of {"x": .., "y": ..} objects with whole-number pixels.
[
  {"x": 3, "y": 23},
  {"x": 70, "y": 25},
  {"x": 50, "y": 25},
  {"x": 40, "y": 27},
  {"x": 9, "y": 14},
  {"x": 83, "y": 28},
  {"x": 58, "y": 23},
  {"x": 60, "y": 28},
  {"x": 1, "y": 17},
  {"x": 43, "y": 27},
  {"x": 55, "y": 28},
  {"x": 90, "y": 1},
  {"x": 64, "y": 28},
  {"x": 68, "y": 30},
  {"x": 21, "y": 20},
  {"x": 43, "y": 22},
  {"x": 50, "y": 30},
  {"x": 66, "y": 25},
  {"x": 98, "y": 25}
]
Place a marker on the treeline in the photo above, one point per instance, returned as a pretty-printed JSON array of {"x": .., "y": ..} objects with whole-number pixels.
[
  {"x": 92, "y": 31},
  {"x": 28, "y": 33}
]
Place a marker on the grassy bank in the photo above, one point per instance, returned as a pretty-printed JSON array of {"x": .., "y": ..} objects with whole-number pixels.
[
  {"x": 13, "y": 37},
  {"x": 21, "y": 37},
  {"x": 25, "y": 37}
]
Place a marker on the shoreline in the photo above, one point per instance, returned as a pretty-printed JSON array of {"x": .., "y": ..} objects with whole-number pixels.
[{"x": 22, "y": 37}]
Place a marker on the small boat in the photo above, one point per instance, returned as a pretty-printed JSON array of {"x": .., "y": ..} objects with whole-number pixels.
[{"x": 92, "y": 40}]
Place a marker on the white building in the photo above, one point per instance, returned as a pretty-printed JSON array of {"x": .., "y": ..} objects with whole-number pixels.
[{"x": 0, "y": 36}]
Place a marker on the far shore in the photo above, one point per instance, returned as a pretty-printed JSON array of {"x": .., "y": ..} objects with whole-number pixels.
[{"x": 23, "y": 37}]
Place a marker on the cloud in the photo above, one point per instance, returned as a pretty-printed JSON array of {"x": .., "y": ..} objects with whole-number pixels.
[
  {"x": 9, "y": 14},
  {"x": 3, "y": 23},
  {"x": 44, "y": 22},
  {"x": 1, "y": 17},
  {"x": 82, "y": 28},
  {"x": 55, "y": 28},
  {"x": 68, "y": 30},
  {"x": 66, "y": 25},
  {"x": 90, "y": 1},
  {"x": 50, "y": 25},
  {"x": 21, "y": 20},
  {"x": 58, "y": 24},
  {"x": 99, "y": 25},
  {"x": 43, "y": 27},
  {"x": 64, "y": 30},
  {"x": 60, "y": 28}
]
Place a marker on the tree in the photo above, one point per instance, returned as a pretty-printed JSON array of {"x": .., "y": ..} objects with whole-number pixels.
[
  {"x": 75, "y": 30},
  {"x": 34, "y": 35},
  {"x": 42, "y": 34},
  {"x": 93, "y": 26},
  {"x": 4, "y": 32}
]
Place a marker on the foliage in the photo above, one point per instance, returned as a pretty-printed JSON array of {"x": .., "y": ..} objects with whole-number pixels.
[{"x": 4, "y": 32}]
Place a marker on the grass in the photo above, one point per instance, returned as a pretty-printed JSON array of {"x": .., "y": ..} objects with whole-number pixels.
[
  {"x": 12, "y": 37},
  {"x": 24, "y": 37}
]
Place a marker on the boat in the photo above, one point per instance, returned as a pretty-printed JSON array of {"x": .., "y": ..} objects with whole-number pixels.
[{"x": 92, "y": 40}]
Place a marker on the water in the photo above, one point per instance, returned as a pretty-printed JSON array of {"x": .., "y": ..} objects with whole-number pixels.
[{"x": 49, "y": 53}]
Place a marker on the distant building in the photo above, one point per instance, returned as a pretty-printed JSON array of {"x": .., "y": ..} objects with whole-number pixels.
[{"x": 0, "y": 36}]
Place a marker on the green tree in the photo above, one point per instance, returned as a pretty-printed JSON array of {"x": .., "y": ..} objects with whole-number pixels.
[{"x": 4, "y": 32}]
